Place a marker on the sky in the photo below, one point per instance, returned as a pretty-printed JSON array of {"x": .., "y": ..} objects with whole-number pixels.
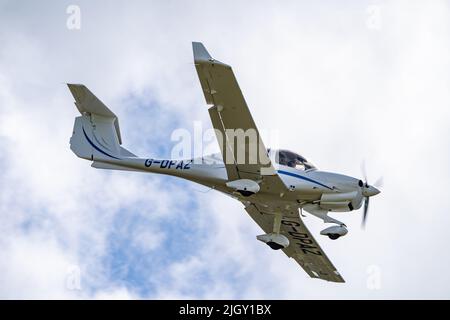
[{"x": 341, "y": 83}]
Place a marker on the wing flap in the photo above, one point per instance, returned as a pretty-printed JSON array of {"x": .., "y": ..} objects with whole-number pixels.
[{"x": 230, "y": 165}]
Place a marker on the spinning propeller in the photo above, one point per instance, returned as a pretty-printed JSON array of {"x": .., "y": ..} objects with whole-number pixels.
[{"x": 368, "y": 191}]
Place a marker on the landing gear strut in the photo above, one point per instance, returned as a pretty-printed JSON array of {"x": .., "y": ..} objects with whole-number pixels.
[{"x": 275, "y": 240}]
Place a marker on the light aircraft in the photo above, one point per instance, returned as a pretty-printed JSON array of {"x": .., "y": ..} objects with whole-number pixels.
[{"x": 274, "y": 186}]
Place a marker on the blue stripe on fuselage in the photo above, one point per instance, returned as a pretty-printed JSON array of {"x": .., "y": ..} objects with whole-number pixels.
[{"x": 303, "y": 178}]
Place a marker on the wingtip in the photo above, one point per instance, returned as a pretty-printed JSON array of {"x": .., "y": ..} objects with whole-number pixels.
[
  {"x": 202, "y": 56},
  {"x": 73, "y": 86},
  {"x": 74, "y": 89},
  {"x": 78, "y": 90},
  {"x": 200, "y": 52}
]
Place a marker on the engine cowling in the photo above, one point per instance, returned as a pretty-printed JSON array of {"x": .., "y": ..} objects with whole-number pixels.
[
  {"x": 334, "y": 232},
  {"x": 341, "y": 202}
]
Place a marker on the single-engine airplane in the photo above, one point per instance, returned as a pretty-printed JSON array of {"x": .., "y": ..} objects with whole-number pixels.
[{"x": 273, "y": 185}]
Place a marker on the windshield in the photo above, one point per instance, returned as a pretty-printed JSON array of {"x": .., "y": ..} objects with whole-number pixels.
[{"x": 293, "y": 160}]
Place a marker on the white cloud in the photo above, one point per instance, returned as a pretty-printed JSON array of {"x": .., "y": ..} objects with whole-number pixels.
[{"x": 34, "y": 267}]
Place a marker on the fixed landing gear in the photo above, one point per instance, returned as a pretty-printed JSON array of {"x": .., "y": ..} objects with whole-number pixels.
[
  {"x": 274, "y": 245},
  {"x": 275, "y": 240},
  {"x": 333, "y": 236},
  {"x": 335, "y": 232}
]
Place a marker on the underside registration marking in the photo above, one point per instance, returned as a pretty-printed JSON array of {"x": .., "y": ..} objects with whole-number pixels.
[{"x": 303, "y": 242}]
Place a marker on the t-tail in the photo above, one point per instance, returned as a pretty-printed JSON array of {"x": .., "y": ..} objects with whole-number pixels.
[
  {"x": 96, "y": 137},
  {"x": 96, "y": 133}
]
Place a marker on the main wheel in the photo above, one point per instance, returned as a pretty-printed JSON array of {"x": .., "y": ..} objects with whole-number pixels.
[
  {"x": 333, "y": 236},
  {"x": 274, "y": 245}
]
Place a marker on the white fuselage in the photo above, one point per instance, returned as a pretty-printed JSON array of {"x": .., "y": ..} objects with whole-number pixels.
[{"x": 305, "y": 187}]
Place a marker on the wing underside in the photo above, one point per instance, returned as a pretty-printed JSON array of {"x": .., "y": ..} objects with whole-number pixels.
[
  {"x": 243, "y": 150},
  {"x": 248, "y": 159},
  {"x": 303, "y": 247}
]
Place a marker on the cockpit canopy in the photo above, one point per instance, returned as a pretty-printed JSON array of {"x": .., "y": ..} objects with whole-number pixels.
[{"x": 290, "y": 159}]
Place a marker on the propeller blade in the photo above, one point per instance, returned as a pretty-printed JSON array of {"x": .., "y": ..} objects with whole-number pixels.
[
  {"x": 366, "y": 209},
  {"x": 368, "y": 191},
  {"x": 379, "y": 183},
  {"x": 363, "y": 170}
]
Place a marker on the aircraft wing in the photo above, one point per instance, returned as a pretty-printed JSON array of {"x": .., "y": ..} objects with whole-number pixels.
[
  {"x": 303, "y": 247},
  {"x": 230, "y": 116}
]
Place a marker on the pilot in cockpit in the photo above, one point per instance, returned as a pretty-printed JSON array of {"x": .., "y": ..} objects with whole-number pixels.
[{"x": 293, "y": 160}]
